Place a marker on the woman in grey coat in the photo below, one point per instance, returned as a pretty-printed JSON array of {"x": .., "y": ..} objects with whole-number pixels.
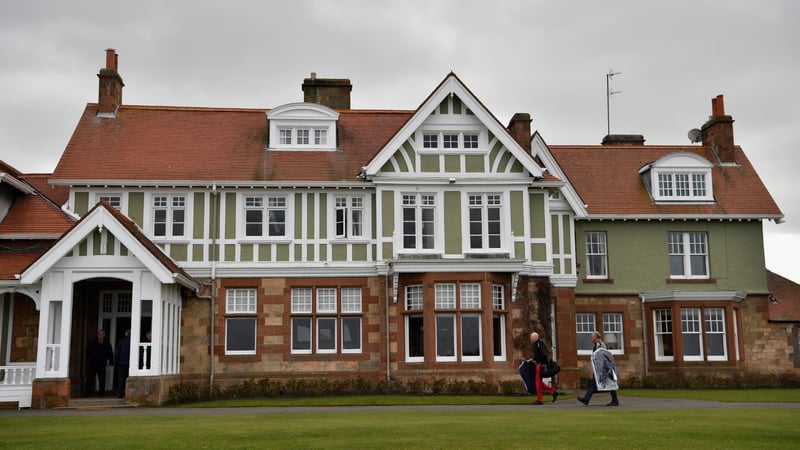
[{"x": 604, "y": 371}]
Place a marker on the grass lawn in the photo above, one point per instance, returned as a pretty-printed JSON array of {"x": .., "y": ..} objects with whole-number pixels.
[{"x": 462, "y": 429}]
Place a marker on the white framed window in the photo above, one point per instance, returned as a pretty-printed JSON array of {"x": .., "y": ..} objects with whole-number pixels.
[
  {"x": 692, "y": 334},
  {"x": 414, "y": 324},
  {"x": 286, "y": 136},
  {"x": 662, "y": 330},
  {"x": 419, "y": 212},
  {"x": 302, "y": 126},
  {"x": 499, "y": 322},
  {"x": 470, "y": 296},
  {"x": 414, "y": 297},
  {"x": 330, "y": 317},
  {"x": 450, "y": 140},
  {"x": 349, "y": 216},
  {"x": 115, "y": 200},
  {"x": 265, "y": 216},
  {"x": 584, "y": 326},
  {"x": 240, "y": 321},
  {"x": 688, "y": 255},
  {"x": 445, "y": 296},
  {"x": 302, "y": 135},
  {"x": 680, "y": 177},
  {"x": 471, "y": 337},
  {"x": 321, "y": 136},
  {"x": 484, "y": 221},
  {"x": 613, "y": 334},
  {"x": 716, "y": 343},
  {"x": 596, "y": 255},
  {"x": 446, "y": 337},
  {"x": 169, "y": 216}
]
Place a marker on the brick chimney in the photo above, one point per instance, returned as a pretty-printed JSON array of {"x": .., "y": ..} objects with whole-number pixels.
[
  {"x": 717, "y": 133},
  {"x": 110, "y": 89},
  {"x": 520, "y": 128},
  {"x": 331, "y": 92}
]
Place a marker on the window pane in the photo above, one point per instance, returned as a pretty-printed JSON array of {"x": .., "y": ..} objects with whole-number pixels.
[
  {"x": 662, "y": 322},
  {"x": 301, "y": 300},
  {"x": 612, "y": 330},
  {"x": 326, "y": 334},
  {"x": 240, "y": 301},
  {"x": 277, "y": 223},
  {"x": 240, "y": 334},
  {"x": 445, "y": 296},
  {"x": 691, "y": 332},
  {"x": 301, "y": 334},
  {"x": 326, "y": 300},
  {"x": 414, "y": 297},
  {"x": 470, "y": 296},
  {"x": 470, "y": 335},
  {"x": 415, "y": 337},
  {"x": 253, "y": 222},
  {"x": 499, "y": 334},
  {"x": 585, "y": 325},
  {"x": 351, "y": 334},
  {"x": 445, "y": 335},
  {"x": 351, "y": 300},
  {"x": 596, "y": 254},
  {"x": 498, "y": 297},
  {"x": 715, "y": 333}
]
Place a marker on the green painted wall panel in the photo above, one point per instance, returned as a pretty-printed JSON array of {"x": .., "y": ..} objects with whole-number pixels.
[
  {"x": 310, "y": 252},
  {"x": 494, "y": 153},
  {"x": 298, "y": 215},
  {"x": 387, "y": 249},
  {"x": 197, "y": 252},
  {"x": 452, "y": 163},
  {"x": 555, "y": 239},
  {"x": 566, "y": 225},
  {"x": 81, "y": 203},
  {"x": 323, "y": 253},
  {"x": 517, "y": 167},
  {"x": 457, "y": 105},
  {"x": 83, "y": 247},
  {"x": 517, "y": 213},
  {"x": 359, "y": 252},
  {"x": 452, "y": 222},
  {"x": 246, "y": 252},
  {"x": 199, "y": 214},
  {"x": 506, "y": 159},
  {"x": 123, "y": 251},
  {"x": 387, "y": 214},
  {"x": 429, "y": 163},
  {"x": 537, "y": 215},
  {"x": 230, "y": 218},
  {"x": 388, "y": 167},
  {"x": 230, "y": 252},
  {"x": 539, "y": 252},
  {"x": 264, "y": 252},
  {"x": 178, "y": 252},
  {"x": 282, "y": 252},
  {"x": 311, "y": 216},
  {"x": 95, "y": 243},
  {"x": 408, "y": 150},
  {"x": 443, "y": 107},
  {"x": 136, "y": 208},
  {"x": 323, "y": 213},
  {"x": 339, "y": 252},
  {"x": 474, "y": 164},
  {"x": 519, "y": 250}
]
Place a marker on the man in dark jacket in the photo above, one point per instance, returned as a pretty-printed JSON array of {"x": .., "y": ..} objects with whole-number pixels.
[
  {"x": 539, "y": 351},
  {"x": 98, "y": 354}
]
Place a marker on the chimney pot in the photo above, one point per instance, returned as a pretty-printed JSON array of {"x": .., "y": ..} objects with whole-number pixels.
[
  {"x": 520, "y": 128},
  {"x": 111, "y": 59},
  {"x": 717, "y": 133},
  {"x": 110, "y": 86}
]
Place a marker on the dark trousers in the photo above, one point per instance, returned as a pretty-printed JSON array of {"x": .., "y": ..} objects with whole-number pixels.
[
  {"x": 593, "y": 389},
  {"x": 98, "y": 373},
  {"x": 122, "y": 379}
]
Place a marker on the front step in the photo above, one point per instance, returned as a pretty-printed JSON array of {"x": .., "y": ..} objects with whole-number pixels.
[{"x": 97, "y": 403}]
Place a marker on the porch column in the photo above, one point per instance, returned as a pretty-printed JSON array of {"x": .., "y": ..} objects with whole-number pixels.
[{"x": 55, "y": 319}]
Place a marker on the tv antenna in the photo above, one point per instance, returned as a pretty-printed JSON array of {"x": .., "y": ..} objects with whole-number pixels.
[{"x": 609, "y": 93}]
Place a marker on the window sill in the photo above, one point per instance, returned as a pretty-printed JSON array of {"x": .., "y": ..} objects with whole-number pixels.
[
  {"x": 692, "y": 280},
  {"x": 598, "y": 281}
]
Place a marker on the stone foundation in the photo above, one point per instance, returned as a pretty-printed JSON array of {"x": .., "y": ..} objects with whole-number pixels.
[
  {"x": 150, "y": 391},
  {"x": 50, "y": 393}
]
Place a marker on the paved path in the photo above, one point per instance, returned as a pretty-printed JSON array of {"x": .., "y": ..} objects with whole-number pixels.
[{"x": 568, "y": 403}]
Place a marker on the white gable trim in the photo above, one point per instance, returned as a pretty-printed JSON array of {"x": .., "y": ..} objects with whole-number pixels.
[
  {"x": 100, "y": 218},
  {"x": 451, "y": 85},
  {"x": 540, "y": 149}
]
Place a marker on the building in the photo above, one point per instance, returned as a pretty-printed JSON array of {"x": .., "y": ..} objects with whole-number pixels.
[{"x": 316, "y": 240}]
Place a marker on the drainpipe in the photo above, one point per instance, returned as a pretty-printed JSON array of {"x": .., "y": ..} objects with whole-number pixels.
[
  {"x": 389, "y": 298},
  {"x": 213, "y": 285},
  {"x": 553, "y": 330},
  {"x": 644, "y": 338}
]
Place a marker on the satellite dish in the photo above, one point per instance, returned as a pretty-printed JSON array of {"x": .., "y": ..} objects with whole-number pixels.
[{"x": 694, "y": 135}]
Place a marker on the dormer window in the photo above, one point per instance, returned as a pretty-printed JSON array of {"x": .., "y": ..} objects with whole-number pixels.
[
  {"x": 302, "y": 126},
  {"x": 450, "y": 140},
  {"x": 679, "y": 177}
]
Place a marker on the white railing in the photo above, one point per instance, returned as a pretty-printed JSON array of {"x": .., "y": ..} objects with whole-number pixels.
[{"x": 16, "y": 383}]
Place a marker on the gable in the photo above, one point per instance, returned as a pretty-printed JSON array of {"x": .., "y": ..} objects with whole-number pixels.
[
  {"x": 452, "y": 134},
  {"x": 107, "y": 241}
]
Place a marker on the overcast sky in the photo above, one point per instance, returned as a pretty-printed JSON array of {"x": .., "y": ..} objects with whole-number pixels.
[{"x": 547, "y": 58}]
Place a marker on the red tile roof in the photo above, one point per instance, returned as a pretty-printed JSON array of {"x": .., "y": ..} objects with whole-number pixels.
[
  {"x": 32, "y": 214},
  {"x": 172, "y": 143},
  {"x": 786, "y": 295},
  {"x": 13, "y": 263},
  {"x": 58, "y": 194},
  {"x": 608, "y": 181}
]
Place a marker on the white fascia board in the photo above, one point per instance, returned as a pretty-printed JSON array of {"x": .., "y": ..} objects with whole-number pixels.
[
  {"x": 20, "y": 185},
  {"x": 682, "y": 217},
  {"x": 209, "y": 184},
  {"x": 29, "y": 236},
  {"x": 452, "y": 86},
  {"x": 675, "y": 296},
  {"x": 98, "y": 218}
]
